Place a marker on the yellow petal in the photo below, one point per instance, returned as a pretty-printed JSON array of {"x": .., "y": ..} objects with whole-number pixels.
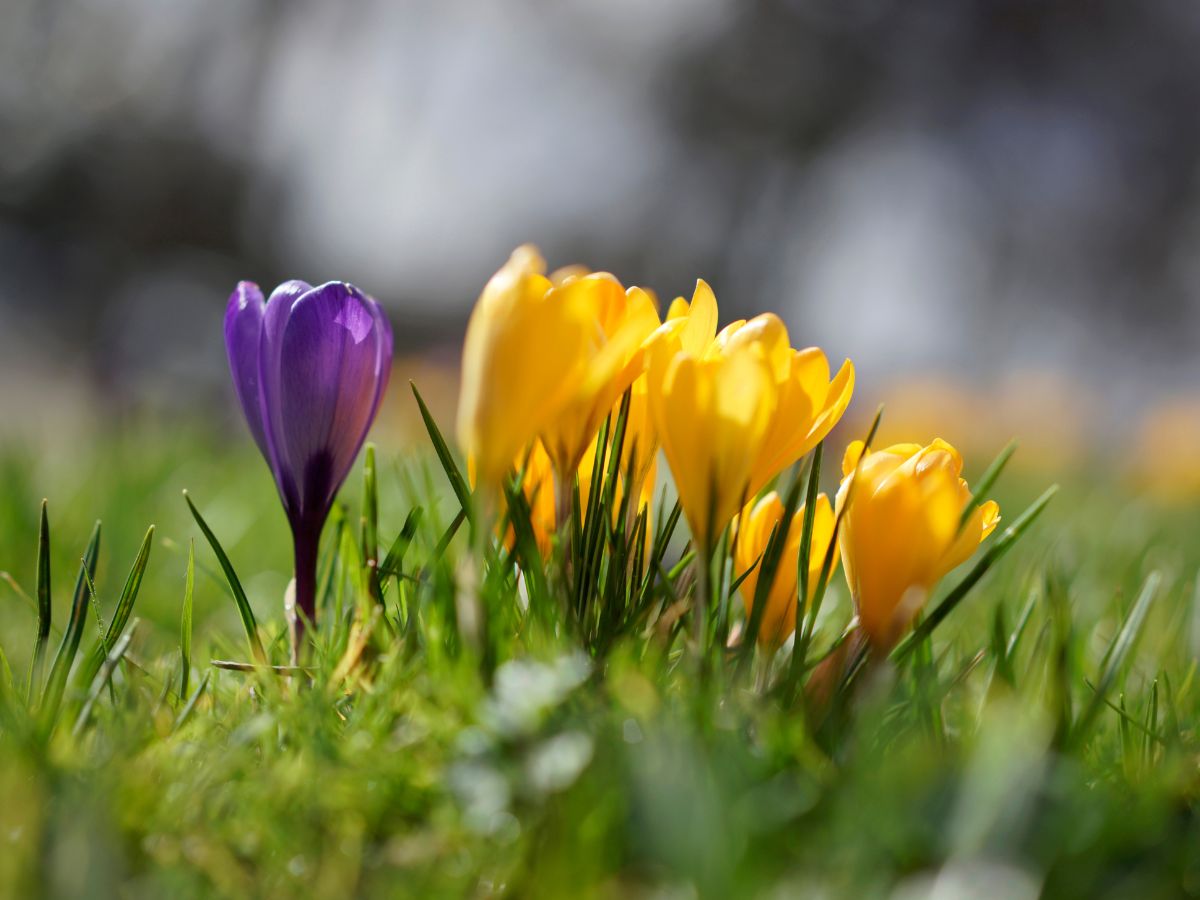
[
  {"x": 701, "y": 320},
  {"x": 900, "y": 531},
  {"x": 623, "y": 321},
  {"x": 770, "y": 335},
  {"x": 508, "y": 393}
]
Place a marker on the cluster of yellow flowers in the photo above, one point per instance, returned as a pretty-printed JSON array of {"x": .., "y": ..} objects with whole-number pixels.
[{"x": 547, "y": 358}]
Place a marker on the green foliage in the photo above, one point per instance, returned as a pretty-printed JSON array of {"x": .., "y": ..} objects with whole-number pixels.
[
  {"x": 475, "y": 720},
  {"x": 235, "y": 585}
]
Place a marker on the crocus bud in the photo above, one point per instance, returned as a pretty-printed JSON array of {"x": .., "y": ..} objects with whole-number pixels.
[
  {"x": 754, "y": 528},
  {"x": 711, "y": 414},
  {"x": 901, "y": 531},
  {"x": 310, "y": 366},
  {"x": 622, "y": 321},
  {"x": 523, "y": 358}
]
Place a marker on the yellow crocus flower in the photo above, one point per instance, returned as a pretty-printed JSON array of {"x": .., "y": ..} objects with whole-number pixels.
[
  {"x": 712, "y": 414},
  {"x": 802, "y": 403},
  {"x": 691, "y": 327},
  {"x": 808, "y": 402},
  {"x": 524, "y": 358},
  {"x": 900, "y": 533},
  {"x": 540, "y": 486},
  {"x": 622, "y": 320},
  {"x": 754, "y": 533}
]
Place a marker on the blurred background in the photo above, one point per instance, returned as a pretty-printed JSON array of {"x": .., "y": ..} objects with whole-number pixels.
[{"x": 992, "y": 207}]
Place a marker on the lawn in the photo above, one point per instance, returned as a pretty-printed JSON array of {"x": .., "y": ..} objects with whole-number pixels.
[{"x": 457, "y": 733}]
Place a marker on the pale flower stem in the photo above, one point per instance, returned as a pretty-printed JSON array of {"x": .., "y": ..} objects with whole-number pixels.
[
  {"x": 564, "y": 490},
  {"x": 564, "y": 494},
  {"x": 703, "y": 599},
  {"x": 764, "y": 673}
]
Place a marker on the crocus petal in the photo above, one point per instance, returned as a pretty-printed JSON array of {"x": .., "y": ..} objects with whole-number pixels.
[
  {"x": 243, "y": 329},
  {"x": 755, "y": 525},
  {"x": 383, "y": 360},
  {"x": 271, "y": 378},
  {"x": 701, "y": 325},
  {"x": 523, "y": 357},
  {"x": 329, "y": 385}
]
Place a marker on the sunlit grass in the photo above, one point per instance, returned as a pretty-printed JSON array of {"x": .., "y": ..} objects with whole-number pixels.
[{"x": 471, "y": 739}]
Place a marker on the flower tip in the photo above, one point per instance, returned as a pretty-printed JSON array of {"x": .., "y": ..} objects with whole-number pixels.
[{"x": 245, "y": 295}]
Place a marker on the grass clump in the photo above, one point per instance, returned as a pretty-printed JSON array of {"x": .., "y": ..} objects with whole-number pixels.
[{"x": 475, "y": 719}]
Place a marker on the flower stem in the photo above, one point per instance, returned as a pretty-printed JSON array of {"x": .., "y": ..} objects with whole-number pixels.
[
  {"x": 703, "y": 602},
  {"x": 564, "y": 502},
  {"x": 306, "y": 542}
]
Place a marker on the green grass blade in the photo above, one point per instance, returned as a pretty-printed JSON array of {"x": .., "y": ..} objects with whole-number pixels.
[
  {"x": 133, "y": 583},
  {"x": 804, "y": 635},
  {"x": 739, "y": 579},
  {"x": 105, "y": 674},
  {"x": 8, "y": 692},
  {"x": 1022, "y": 623},
  {"x": 129, "y": 593},
  {"x": 1118, "y": 651},
  {"x": 370, "y": 513},
  {"x": 56, "y": 681},
  {"x": 457, "y": 483},
  {"x": 960, "y": 590},
  {"x": 1151, "y": 726},
  {"x": 806, "y": 535},
  {"x": 393, "y": 564},
  {"x": 94, "y": 603},
  {"x": 447, "y": 536},
  {"x": 525, "y": 546},
  {"x": 187, "y": 710},
  {"x": 769, "y": 565},
  {"x": 999, "y": 648},
  {"x": 44, "y": 605},
  {"x": 185, "y": 623},
  {"x": 235, "y": 586},
  {"x": 986, "y": 481}
]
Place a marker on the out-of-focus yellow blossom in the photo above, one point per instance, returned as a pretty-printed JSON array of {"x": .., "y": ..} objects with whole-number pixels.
[
  {"x": 1165, "y": 455},
  {"x": 754, "y": 533},
  {"x": 1052, "y": 417},
  {"x": 622, "y": 320},
  {"x": 524, "y": 358},
  {"x": 538, "y": 487},
  {"x": 901, "y": 534}
]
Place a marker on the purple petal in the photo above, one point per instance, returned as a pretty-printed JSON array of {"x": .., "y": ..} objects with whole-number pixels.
[
  {"x": 323, "y": 368},
  {"x": 383, "y": 368},
  {"x": 243, "y": 330},
  {"x": 289, "y": 292},
  {"x": 275, "y": 319}
]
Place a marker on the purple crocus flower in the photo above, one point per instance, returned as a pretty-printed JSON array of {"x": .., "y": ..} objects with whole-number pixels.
[{"x": 310, "y": 366}]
